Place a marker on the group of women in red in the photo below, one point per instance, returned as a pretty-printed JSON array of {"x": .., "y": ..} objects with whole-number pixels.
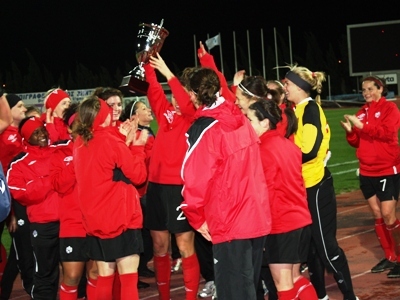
[{"x": 240, "y": 169}]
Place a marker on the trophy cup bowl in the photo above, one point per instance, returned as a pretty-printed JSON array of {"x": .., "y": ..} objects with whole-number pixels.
[{"x": 150, "y": 40}]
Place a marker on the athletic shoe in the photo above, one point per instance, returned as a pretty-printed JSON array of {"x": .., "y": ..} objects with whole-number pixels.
[
  {"x": 383, "y": 265},
  {"x": 214, "y": 296},
  {"x": 176, "y": 265},
  {"x": 208, "y": 290},
  {"x": 395, "y": 272},
  {"x": 325, "y": 298}
]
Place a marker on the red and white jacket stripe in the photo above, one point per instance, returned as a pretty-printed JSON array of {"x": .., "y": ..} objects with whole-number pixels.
[{"x": 29, "y": 182}]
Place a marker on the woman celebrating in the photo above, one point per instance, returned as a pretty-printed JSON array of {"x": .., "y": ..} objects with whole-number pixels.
[
  {"x": 113, "y": 98},
  {"x": 30, "y": 184},
  {"x": 137, "y": 111},
  {"x": 110, "y": 195},
  {"x": 225, "y": 195},
  {"x": 72, "y": 234},
  {"x": 249, "y": 89},
  {"x": 164, "y": 193},
  {"x": 56, "y": 102},
  {"x": 312, "y": 137},
  {"x": 373, "y": 131},
  {"x": 287, "y": 245}
]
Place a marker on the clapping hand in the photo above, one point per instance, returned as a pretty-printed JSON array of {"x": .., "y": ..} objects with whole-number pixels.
[{"x": 351, "y": 119}]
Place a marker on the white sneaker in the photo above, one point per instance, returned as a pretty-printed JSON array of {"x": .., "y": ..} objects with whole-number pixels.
[
  {"x": 176, "y": 265},
  {"x": 208, "y": 290},
  {"x": 214, "y": 296}
]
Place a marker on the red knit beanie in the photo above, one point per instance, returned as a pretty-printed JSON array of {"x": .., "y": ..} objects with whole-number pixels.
[
  {"x": 30, "y": 126},
  {"x": 55, "y": 97}
]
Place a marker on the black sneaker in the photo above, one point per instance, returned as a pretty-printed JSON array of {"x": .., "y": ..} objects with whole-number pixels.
[
  {"x": 383, "y": 265},
  {"x": 395, "y": 272}
]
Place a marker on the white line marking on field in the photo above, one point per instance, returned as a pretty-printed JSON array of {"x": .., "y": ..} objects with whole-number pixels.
[
  {"x": 353, "y": 235},
  {"x": 343, "y": 163},
  {"x": 352, "y": 277},
  {"x": 343, "y": 172},
  {"x": 349, "y": 210}
]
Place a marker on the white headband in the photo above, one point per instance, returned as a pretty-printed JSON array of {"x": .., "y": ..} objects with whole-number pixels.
[
  {"x": 241, "y": 87},
  {"x": 133, "y": 105}
]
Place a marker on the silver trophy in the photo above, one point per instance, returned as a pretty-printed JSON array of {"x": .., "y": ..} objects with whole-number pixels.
[{"x": 150, "y": 39}]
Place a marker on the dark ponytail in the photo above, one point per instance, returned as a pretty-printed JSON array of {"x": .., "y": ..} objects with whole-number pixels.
[{"x": 292, "y": 124}]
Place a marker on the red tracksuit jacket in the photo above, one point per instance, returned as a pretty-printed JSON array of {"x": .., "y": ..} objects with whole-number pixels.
[
  {"x": 29, "y": 182},
  {"x": 377, "y": 143},
  {"x": 223, "y": 178},
  {"x": 170, "y": 145},
  {"x": 63, "y": 180},
  {"x": 106, "y": 171},
  {"x": 281, "y": 160}
]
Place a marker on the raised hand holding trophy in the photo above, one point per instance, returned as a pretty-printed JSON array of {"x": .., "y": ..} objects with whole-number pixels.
[{"x": 150, "y": 41}]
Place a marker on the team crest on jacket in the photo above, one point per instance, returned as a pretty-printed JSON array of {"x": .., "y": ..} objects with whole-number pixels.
[
  {"x": 169, "y": 115},
  {"x": 68, "y": 159},
  {"x": 12, "y": 138},
  {"x": 377, "y": 114}
]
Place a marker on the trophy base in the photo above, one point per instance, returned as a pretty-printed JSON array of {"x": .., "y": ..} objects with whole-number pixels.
[{"x": 134, "y": 85}]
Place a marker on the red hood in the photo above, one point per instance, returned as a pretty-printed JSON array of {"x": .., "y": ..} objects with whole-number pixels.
[{"x": 227, "y": 113}]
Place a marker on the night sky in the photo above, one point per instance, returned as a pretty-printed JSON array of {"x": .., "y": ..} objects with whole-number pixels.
[{"x": 59, "y": 34}]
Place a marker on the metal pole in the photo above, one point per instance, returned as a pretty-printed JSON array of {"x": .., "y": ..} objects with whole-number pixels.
[
  {"x": 262, "y": 53},
  {"x": 220, "y": 53},
  {"x": 195, "y": 50},
  {"x": 276, "y": 55},
  {"x": 329, "y": 87},
  {"x": 290, "y": 46},
  {"x": 248, "y": 50},
  {"x": 234, "y": 51}
]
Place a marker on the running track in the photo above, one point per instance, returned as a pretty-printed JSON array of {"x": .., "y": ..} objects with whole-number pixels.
[{"x": 357, "y": 238}]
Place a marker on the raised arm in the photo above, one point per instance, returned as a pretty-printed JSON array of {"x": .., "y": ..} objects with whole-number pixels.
[
  {"x": 157, "y": 98},
  {"x": 207, "y": 61},
  {"x": 182, "y": 97},
  {"x": 5, "y": 112}
]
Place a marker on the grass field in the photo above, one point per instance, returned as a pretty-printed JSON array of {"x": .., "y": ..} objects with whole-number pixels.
[{"x": 343, "y": 163}]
